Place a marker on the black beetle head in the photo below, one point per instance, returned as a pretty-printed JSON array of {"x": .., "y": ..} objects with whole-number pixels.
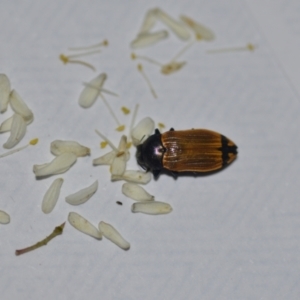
[{"x": 149, "y": 154}]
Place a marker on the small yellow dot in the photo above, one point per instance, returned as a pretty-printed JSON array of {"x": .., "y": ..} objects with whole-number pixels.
[
  {"x": 103, "y": 144},
  {"x": 120, "y": 128},
  {"x": 125, "y": 110},
  {"x": 34, "y": 141}
]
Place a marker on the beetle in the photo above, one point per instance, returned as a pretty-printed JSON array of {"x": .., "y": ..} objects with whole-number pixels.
[{"x": 194, "y": 150}]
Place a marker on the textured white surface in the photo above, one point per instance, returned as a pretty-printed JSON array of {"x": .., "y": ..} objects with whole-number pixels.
[{"x": 232, "y": 235}]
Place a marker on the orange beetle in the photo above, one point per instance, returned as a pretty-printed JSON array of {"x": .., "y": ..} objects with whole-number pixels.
[{"x": 195, "y": 150}]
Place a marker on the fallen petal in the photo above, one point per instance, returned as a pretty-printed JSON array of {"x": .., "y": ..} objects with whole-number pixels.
[
  {"x": 59, "y": 147},
  {"x": 58, "y": 165},
  {"x": 6, "y": 125},
  {"x": 51, "y": 196},
  {"x": 91, "y": 91},
  {"x": 142, "y": 130},
  {"x": 151, "y": 208},
  {"x": 147, "y": 39},
  {"x": 4, "y": 217},
  {"x": 133, "y": 176},
  {"x": 17, "y": 132},
  {"x": 149, "y": 22},
  {"x": 200, "y": 30},
  {"x": 118, "y": 166},
  {"x": 105, "y": 159},
  {"x": 83, "y": 195},
  {"x": 4, "y": 92},
  {"x": 177, "y": 27},
  {"x": 20, "y": 107},
  {"x": 113, "y": 235},
  {"x": 83, "y": 225},
  {"x": 136, "y": 192}
]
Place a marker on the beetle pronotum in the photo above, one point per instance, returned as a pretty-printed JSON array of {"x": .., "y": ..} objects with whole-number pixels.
[{"x": 195, "y": 150}]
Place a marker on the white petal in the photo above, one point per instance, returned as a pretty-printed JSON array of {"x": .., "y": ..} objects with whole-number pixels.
[
  {"x": 118, "y": 166},
  {"x": 136, "y": 192},
  {"x": 151, "y": 208},
  {"x": 200, "y": 30},
  {"x": 20, "y": 107},
  {"x": 17, "y": 132},
  {"x": 58, "y": 165},
  {"x": 91, "y": 91},
  {"x": 58, "y": 147},
  {"x": 4, "y": 217},
  {"x": 105, "y": 159},
  {"x": 4, "y": 92},
  {"x": 108, "y": 158},
  {"x": 149, "y": 22},
  {"x": 133, "y": 176},
  {"x": 6, "y": 125},
  {"x": 51, "y": 196},
  {"x": 83, "y": 225},
  {"x": 177, "y": 27},
  {"x": 147, "y": 39},
  {"x": 83, "y": 195},
  {"x": 113, "y": 235},
  {"x": 142, "y": 130}
]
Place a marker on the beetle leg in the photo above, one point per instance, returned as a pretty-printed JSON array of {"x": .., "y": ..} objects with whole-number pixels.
[
  {"x": 172, "y": 129},
  {"x": 155, "y": 173},
  {"x": 174, "y": 174}
]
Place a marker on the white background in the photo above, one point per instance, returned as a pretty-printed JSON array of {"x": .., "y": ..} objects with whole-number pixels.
[{"x": 232, "y": 235}]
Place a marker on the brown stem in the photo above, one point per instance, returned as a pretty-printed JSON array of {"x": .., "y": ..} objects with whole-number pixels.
[{"x": 57, "y": 231}]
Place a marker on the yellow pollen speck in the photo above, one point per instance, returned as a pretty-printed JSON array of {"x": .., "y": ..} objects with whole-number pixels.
[
  {"x": 34, "y": 141},
  {"x": 103, "y": 144},
  {"x": 105, "y": 43},
  {"x": 128, "y": 145},
  {"x": 125, "y": 110},
  {"x": 140, "y": 67},
  {"x": 133, "y": 56},
  {"x": 161, "y": 125},
  {"x": 120, "y": 128},
  {"x": 198, "y": 37},
  {"x": 64, "y": 58},
  {"x": 251, "y": 47}
]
